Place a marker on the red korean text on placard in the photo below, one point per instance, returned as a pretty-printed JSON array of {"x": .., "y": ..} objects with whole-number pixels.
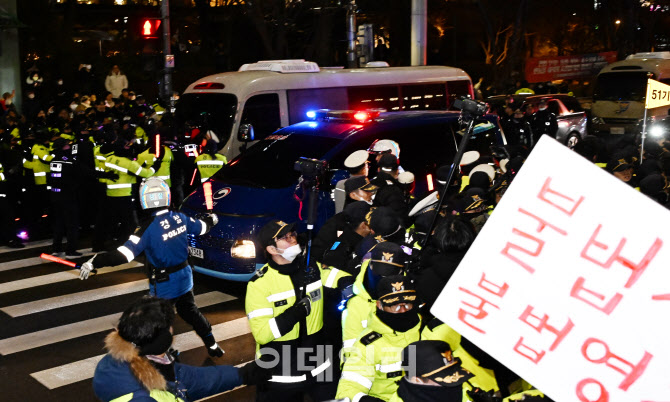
[
  {"x": 534, "y": 244},
  {"x": 598, "y": 352},
  {"x": 486, "y": 288},
  {"x": 540, "y": 325},
  {"x": 597, "y": 300}
]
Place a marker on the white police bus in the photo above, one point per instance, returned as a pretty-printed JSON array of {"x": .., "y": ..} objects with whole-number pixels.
[
  {"x": 268, "y": 95},
  {"x": 620, "y": 90}
]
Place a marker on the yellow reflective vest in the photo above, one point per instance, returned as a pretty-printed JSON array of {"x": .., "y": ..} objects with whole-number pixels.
[
  {"x": 40, "y": 165},
  {"x": 147, "y": 159},
  {"x": 128, "y": 171},
  {"x": 375, "y": 362},
  {"x": 208, "y": 165},
  {"x": 359, "y": 308},
  {"x": 158, "y": 395}
]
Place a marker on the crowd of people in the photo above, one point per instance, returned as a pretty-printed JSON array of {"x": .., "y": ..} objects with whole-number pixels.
[{"x": 73, "y": 161}]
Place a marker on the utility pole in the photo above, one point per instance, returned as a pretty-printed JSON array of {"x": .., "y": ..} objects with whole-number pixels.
[
  {"x": 352, "y": 59},
  {"x": 168, "y": 57},
  {"x": 419, "y": 34}
]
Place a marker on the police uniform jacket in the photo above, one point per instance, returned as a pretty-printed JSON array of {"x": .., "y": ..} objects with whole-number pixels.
[
  {"x": 163, "y": 240},
  {"x": 127, "y": 170},
  {"x": 389, "y": 194},
  {"x": 208, "y": 165},
  {"x": 377, "y": 363},
  {"x": 269, "y": 304},
  {"x": 147, "y": 159},
  {"x": 40, "y": 165},
  {"x": 359, "y": 308},
  {"x": 483, "y": 378}
]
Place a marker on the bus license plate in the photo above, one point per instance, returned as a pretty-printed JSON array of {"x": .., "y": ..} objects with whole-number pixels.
[
  {"x": 196, "y": 252},
  {"x": 617, "y": 130}
]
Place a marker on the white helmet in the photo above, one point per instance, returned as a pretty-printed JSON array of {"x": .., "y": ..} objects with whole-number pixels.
[
  {"x": 384, "y": 146},
  {"x": 154, "y": 193}
]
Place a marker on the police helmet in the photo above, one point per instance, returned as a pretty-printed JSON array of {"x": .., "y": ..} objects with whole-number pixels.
[
  {"x": 154, "y": 193},
  {"x": 385, "y": 146}
]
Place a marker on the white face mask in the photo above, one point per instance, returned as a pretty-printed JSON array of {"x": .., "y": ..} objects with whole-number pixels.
[
  {"x": 31, "y": 96},
  {"x": 291, "y": 253}
]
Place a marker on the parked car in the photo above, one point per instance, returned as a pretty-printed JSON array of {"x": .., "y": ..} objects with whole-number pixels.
[
  {"x": 569, "y": 113},
  {"x": 260, "y": 184}
]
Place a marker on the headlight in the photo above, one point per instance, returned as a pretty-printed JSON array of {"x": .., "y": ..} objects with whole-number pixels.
[
  {"x": 656, "y": 131},
  {"x": 243, "y": 249},
  {"x": 597, "y": 120}
]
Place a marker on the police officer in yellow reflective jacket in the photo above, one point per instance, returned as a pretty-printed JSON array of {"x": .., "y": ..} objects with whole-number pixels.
[
  {"x": 386, "y": 259},
  {"x": 118, "y": 205},
  {"x": 374, "y": 366},
  {"x": 284, "y": 304},
  {"x": 209, "y": 162},
  {"x": 149, "y": 156}
]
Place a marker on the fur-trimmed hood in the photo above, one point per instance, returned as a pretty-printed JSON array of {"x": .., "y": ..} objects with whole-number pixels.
[{"x": 123, "y": 371}]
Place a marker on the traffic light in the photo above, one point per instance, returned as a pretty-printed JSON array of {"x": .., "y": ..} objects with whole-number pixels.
[{"x": 149, "y": 28}]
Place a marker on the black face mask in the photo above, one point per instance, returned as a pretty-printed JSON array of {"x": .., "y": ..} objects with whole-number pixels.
[
  {"x": 399, "y": 322},
  {"x": 410, "y": 392}
]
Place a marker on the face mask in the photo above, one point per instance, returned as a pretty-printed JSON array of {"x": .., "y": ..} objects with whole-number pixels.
[
  {"x": 412, "y": 392},
  {"x": 542, "y": 108},
  {"x": 60, "y": 82},
  {"x": 73, "y": 106},
  {"x": 400, "y": 322},
  {"x": 291, "y": 253},
  {"x": 31, "y": 96}
]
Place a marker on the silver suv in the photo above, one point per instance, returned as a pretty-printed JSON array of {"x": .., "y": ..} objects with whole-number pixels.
[{"x": 570, "y": 116}]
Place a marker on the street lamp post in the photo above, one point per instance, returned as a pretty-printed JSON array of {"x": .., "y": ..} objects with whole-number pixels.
[
  {"x": 168, "y": 58},
  {"x": 352, "y": 61}
]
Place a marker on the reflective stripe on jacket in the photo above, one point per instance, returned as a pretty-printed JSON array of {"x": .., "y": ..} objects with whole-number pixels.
[
  {"x": 147, "y": 159},
  {"x": 208, "y": 165},
  {"x": 40, "y": 165},
  {"x": 128, "y": 171}
]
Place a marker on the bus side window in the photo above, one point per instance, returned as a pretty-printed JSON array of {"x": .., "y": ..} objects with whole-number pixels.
[
  {"x": 424, "y": 97},
  {"x": 372, "y": 97},
  {"x": 262, "y": 112}
]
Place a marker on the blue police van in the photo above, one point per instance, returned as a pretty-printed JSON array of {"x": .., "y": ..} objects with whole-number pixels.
[{"x": 261, "y": 184}]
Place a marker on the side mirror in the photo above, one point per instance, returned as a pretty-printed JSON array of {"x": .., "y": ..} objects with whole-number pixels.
[{"x": 246, "y": 133}]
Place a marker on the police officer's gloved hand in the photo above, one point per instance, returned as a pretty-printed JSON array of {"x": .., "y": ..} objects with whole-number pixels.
[
  {"x": 304, "y": 305},
  {"x": 210, "y": 219},
  {"x": 86, "y": 269},
  {"x": 253, "y": 374},
  {"x": 157, "y": 163}
]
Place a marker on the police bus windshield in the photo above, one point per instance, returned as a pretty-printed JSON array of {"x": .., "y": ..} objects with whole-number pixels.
[
  {"x": 615, "y": 86},
  {"x": 269, "y": 163},
  {"x": 205, "y": 111}
]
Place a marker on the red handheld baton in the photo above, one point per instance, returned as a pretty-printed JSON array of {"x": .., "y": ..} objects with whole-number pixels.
[{"x": 207, "y": 188}]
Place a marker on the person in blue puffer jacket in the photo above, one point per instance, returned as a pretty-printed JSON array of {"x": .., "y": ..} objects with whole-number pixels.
[{"x": 140, "y": 366}]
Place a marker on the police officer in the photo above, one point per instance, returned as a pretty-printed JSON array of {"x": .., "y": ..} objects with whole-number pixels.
[
  {"x": 357, "y": 164},
  {"x": 359, "y": 188},
  {"x": 387, "y": 259},
  {"x": 543, "y": 122},
  {"x": 518, "y": 132},
  {"x": 432, "y": 373},
  {"x": 209, "y": 162},
  {"x": 390, "y": 193},
  {"x": 118, "y": 206},
  {"x": 140, "y": 366},
  {"x": 7, "y": 226},
  {"x": 284, "y": 304},
  {"x": 374, "y": 364},
  {"x": 148, "y": 157},
  {"x": 163, "y": 240}
]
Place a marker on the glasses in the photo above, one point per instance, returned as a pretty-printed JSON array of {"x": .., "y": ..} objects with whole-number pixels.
[{"x": 288, "y": 236}]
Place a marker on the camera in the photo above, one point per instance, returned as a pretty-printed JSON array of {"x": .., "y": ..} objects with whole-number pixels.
[
  {"x": 469, "y": 106},
  {"x": 310, "y": 167}
]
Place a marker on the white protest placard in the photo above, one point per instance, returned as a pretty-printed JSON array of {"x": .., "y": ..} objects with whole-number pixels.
[{"x": 568, "y": 283}]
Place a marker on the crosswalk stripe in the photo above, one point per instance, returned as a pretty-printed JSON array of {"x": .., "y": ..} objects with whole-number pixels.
[
  {"x": 37, "y": 306},
  {"x": 56, "y": 277},
  {"x": 83, "y": 369},
  {"x": 28, "y": 246},
  {"x": 29, "y": 262},
  {"x": 87, "y": 327}
]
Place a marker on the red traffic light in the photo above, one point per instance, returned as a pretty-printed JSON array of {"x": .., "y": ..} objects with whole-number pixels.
[{"x": 149, "y": 27}]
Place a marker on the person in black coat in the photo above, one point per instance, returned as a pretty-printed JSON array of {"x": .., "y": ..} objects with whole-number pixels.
[{"x": 452, "y": 239}]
